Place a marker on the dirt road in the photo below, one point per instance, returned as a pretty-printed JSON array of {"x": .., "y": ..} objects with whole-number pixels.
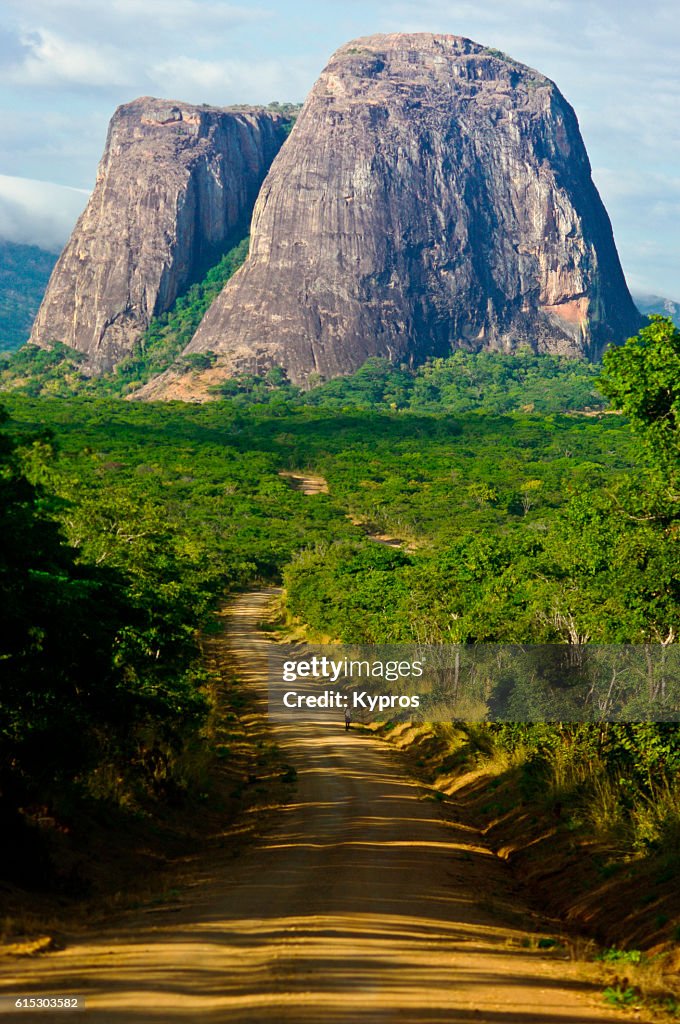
[{"x": 360, "y": 906}]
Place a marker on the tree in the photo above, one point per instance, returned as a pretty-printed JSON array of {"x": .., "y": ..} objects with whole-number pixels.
[
  {"x": 91, "y": 670},
  {"x": 642, "y": 379}
]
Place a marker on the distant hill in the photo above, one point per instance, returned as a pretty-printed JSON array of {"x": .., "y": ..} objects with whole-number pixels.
[
  {"x": 648, "y": 304},
  {"x": 24, "y": 273}
]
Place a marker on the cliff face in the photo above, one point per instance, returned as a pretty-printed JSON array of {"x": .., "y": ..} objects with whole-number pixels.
[
  {"x": 173, "y": 184},
  {"x": 433, "y": 195}
]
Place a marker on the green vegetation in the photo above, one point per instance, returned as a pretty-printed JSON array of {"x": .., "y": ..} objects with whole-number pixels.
[
  {"x": 288, "y": 109},
  {"x": 169, "y": 334},
  {"x": 548, "y": 534},
  {"x": 492, "y": 51},
  {"x": 98, "y": 665},
  {"x": 620, "y": 956},
  {"x": 643, "y": 380},
  {"x": 39, "y": 371},
  {"x": 116, "y": 544},
  {"x": 527, "y": 523},
  {"x": 489, "y": 382},
  {"x": 617, "y": 995},
  {"x": 534, "y": 528}
]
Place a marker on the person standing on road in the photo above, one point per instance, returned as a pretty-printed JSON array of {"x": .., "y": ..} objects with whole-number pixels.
[{"x": 348, "y": 719}]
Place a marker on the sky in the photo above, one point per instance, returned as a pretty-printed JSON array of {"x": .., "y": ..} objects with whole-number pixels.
[{"x": 65, "y": 65}]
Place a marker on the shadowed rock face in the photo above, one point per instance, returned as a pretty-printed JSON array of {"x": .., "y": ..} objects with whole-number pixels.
[
  {"x": 174, "y": 183},
  {"x": 433, "y": 195}
]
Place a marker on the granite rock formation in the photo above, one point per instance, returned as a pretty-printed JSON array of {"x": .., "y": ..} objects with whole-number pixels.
[
  {"x": 434, "y": 194},
  {"x": 174, "y": 184}
]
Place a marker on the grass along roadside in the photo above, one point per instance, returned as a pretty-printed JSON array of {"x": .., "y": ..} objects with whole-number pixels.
[{"x": 615, "y": 906}]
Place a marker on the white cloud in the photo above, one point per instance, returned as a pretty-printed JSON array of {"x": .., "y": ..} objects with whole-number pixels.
[
  {"x": 644, "y": 205},
  {"x": 49, "y": 59},
  {"x": 131, "y": 26},
  {"x": 38, "y": 212},
  {"x": 240, "y": 81},
  {"x": 42, "y": 141},
  {"x": 77, "y": 44},
  {"x": 635, "y": 182}
]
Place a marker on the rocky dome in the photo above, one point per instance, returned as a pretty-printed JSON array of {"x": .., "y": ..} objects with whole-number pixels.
[{"x": 434, "y": 194}]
